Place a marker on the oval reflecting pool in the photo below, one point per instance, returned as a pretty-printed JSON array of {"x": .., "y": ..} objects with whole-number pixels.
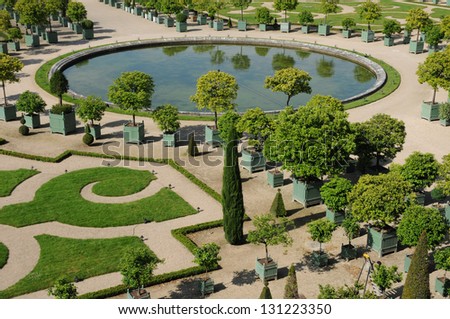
[{"x": 175, "y": 70}]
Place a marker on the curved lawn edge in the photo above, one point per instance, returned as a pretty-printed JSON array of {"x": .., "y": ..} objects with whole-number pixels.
[
  {"x": 4, "y": 255},
  {"x": 13, "y": 178}
]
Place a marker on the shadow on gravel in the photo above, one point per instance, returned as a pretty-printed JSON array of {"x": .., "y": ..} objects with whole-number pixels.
[
  {"x": 308, "y": 261},
  {"x": 244, "y": 277},
  {"x": 186, "y": 289}
]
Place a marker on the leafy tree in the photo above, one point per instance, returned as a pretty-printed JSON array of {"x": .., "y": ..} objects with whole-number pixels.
[
  {"x": 5, "y": 20},
  {"x": 381, "y": 137},
  {"x": 170, "y": 6},
  {"x": 445, "y": 27},
  {"x": 444, "y": 173},
  {"x": 391, "y": 27},
  {"x": 32, "y": 12},
  {"x": 263, "y": 15},
  {"x": 282, "y": 61},
  {"x": 379, "y": 199},
  {"x": 241, "y": 4},
  {"x": 418, "y": 19},
  {"x": 334, "y": 193},
  {"x": 8, "y": 4},
  {"x": 76, "y": 11},
  {"x": 369, "y": 11},
  {"x": 52, "y": 7},
  {"x": 63, "y": 289},
  {"x": 434, "y": 35},
  {"x": 290, "y": 81},
  {"x": 321, "y": 230},
  {"x": 14, "y": 34},
  {"x": 351, "y": 227},
  {"x": 417, "y": 284},
  {"x": 348, "y": 23},
  {"x": 285, "y": 5},
  {"x": 314, "y": 141},
  {"x": 227, "y": 122},
  {"x": 216, "y": 91},
  {"x": 291, "y": 287},
  {"x": 265, "y": 293},
  {"x": 420, "y": 169},
  {"x": 434, "y": 71},
  {"x": 384, "y": 277},
  {"x": 277, "y": 208},
  {"x": 9, "y": 66},
  {"x": 192, "y": 146},
  {"x": 257, "y": 124},
  {"x": 30, "y": 102},
  {"x": 166, "y": 116},
  {"x": 269, "y": 232},
  {"x": 207, "y": 256},
  {"x": 442, "y": 260},
  {"x": 344, "y": 292},
  {"x": 418, "y": 219},
  {"x": 132, "y": 91},
  {"x": 136, "y": 267},
  {"x": 305, "y": 17},
  {"x": 232, "y": 198},
  {"x": 59, "y": 85},
  {"x": 327, "y": 7},
  {"x": 91, "y": 109}
]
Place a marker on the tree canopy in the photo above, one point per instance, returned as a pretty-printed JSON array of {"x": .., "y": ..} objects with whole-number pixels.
[
  {"x": 290, "y": 81},
  {"x": 241, "y": 4},
  {"x": 418, "y": 19},
  {"x": 59, "y": 85},
  {"x": 76, "y": 11},
  {"x": 285, "y": 5},
  {"x": 207, "y": 256},
  {"x": 136, "y": 267},
  {"x": 420, "y": 169},
  {"x": 257, "y": 124},
  {"x": 444, "y": 175},
  {"x": 30, "y": 102},
  {"x": 31, "y": 12},
  {"x": 63, "y": 289},
  {"x": 321, "y": 230},
  {"x": 334, "y": 193},
  {"x": 327, "y": 7},
  {"x": 91, "y": 109},
  {"x": 166, "y": 116},
  {"x": 9, "y": 67},
  {"x": 384, "y": 277},
  {"x": 369, "y": 11}
]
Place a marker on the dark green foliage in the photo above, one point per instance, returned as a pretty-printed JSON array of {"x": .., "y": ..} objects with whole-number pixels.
[
  {"x": 334, "y": 193},
  {"x": 24, "y": 130},
  {"x": 192, "y": 146},
  {"x": 291, "y": 288},
  {"x": 63, "y": 289},
  {"x": 345, "y": 292},
  {"x": 61, "y": 109},
  {"x": 4, "y": 254},
  {"x": 181, "y": 17},
  {"x": 265, "y": 293},
  {"x": 3, "y": 141},
  {"x": 59, "y": 85},
  {"x": 232, "y": 198},
  {"x": 87, "y": 24},
  {"x": 351, "y": 227},
  {"x": 277, "y": 207},
  {"x": 227, "y": 122},
  {"x": 437, "y": 194},
  {"x": 420, "y": 169},
  {"x": 88, "y": 139},
  {"x": 384, "y": 277},
  {"x": 417, "y": 284}
]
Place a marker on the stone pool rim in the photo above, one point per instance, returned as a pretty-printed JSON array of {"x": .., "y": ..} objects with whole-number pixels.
[{"x": 372, "y": 66}]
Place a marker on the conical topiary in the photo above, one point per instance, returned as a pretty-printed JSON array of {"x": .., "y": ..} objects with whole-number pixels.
[
  {"x": 265, "y": 293},
  {"x": 291, "y": 288},
  {"x": 417, "y": 284},
  {"x": 192, "y": 146},
  {"x": 277, "y": 207}
]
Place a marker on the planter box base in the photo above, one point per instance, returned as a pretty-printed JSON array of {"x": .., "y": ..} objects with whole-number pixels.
[
  {"x": 266, "y": 270},
  {"x": 307, "y": 194},
  {"x": 319, "y": 259},
  {"x": 8, "y": 113},
  {"x": 348, "y": 252},
  {"x": 134, "y": 134},
  {"x": 430, "y": 111},
  {"x": 275, "y": 179},
  {"x": 253, "y": 161},
  {"x": 206, "y": 286},
  {"x": 383, "y": 242}
]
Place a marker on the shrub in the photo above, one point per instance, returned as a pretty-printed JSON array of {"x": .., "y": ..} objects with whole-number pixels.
[
  {"x": 384, "y": 276},
  {"x": 444, "y": 111},
  {"x": 30, "y": 102},
  {"x": 166, "y": 117},
  {"x": 181, "y": 17},
  {"x": 305, "y": 17},
  {"x": 348, "y": 23},
  {"x": 265, "y": 293},
  {"x": 61, "y": 109},
  {"x": 88, "y": 139},
  {"x": 291, "y": 288},
  {"x": 263, "y": 15},
  {"x": 277, "y": 207},
  {"x": 24, "y": 130},
  {"x": 14, "y": 34},
  {"x": 334, "y": 193},
  {"x": 87, "y": 24}
]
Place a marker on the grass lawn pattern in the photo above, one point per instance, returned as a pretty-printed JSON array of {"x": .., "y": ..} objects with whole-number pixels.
[
  {"x": 4, "y": 254},
  {"x": 10, "y": 179},
  {"x": 83, "y": 258},
  {"x": 60, "y": 200}
]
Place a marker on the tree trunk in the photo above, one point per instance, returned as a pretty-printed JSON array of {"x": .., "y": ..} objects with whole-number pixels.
[
  {"x": 134, "y": 120},
  {"x": 418, "y": 34},
  {"x": 4, "y": 93},
  {"x": 434, "y": 97},
  {"x": 50, "y": 23},
  {"x": 288, "y": 100},
  {"x": 215, "y": 120},
  {"x": 267, "y": 252},
  {"x": 60, "y": 99}
]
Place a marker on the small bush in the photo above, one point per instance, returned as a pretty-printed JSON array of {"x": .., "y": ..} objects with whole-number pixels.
[
  {"x": 87, "y": 24},
  {"x": 88, "y": 139},
  {"x": 24, "y": 130},
  {"x": 61, "y": 109},
  {"x": 181, "y": 17}
]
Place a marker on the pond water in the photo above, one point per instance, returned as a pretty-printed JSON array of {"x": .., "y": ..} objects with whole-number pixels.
[{"x": 175, "y": 70}]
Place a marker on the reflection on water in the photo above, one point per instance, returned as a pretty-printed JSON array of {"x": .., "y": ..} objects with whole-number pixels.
[{"x": 175, "y": 70}]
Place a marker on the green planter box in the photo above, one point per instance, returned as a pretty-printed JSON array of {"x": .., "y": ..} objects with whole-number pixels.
[
  {"x": 4, "y": 48},
  {"x": 335, "y": 217},
  {"x": 275, "y": 178},
  {"x": 32, "y": 40},
  {"x": 285, "y": 27},
  {"x": 150, "y": 15},
  {"x": 95, "y": 130},
  {"x": 262, "y": 27},
  {"x": 242, "y": 25},
  {"x": 88, "y": 34},
  {"x": 134, "y": 134},
  {"x": 112, "y": 3},
  {"x": 441, "y": 285},
  {"x": 347, "y": 34},
  {"x": 159, "y": 20},
  {"x": 137, "y": 11},
  {"x": 32, "y": 120},
  {"x": 51, "y": 37},
  {"x": 218, "y": 25},
  {"x": 64, "y": 22},
  {"x": 181, "y": 26},
  {"x": 118, "y": 5},
  {"x": 77, "y": 28},
  {"x": 170, "y": 139},
  {"x": 447, "y": 212},
  {"x": 406, "y": 39},
  {"x": 266, "y": 270},
  {"x": 201, "y": 19},
  {"x": 444, "y": 122},
  {"x": 137, "y": 293},
  {"x": 212, "y": 136},
  {"x": 14, "y": 46},
  {"x": 432, "y": 49},
  {"x": 416, "y": 47},
  {"x": 407, "y": 263},
  {"x": 348, "y": 252},
  {"x": 8, "y": 113},
  {"x": 211, "y": 23},
  {"x": 388, "y": 41},
  {"x": 306, "y": 29},
  {"x": 306, "y": 194},
  {"x": 168, "y": 22},
  {"x": 206, "y": 286},
  {"x": 106, "y": 1},
  {"x": 430, "y": 111},
  {"x": 382, "y": 241},
  {"x": 253, "y": 161},
  {"x": 319, "y": 259},
  {"x": 63, "y": 123},
  {"x": 324, "y": 29},
  {"x": 367, "y": 36}
]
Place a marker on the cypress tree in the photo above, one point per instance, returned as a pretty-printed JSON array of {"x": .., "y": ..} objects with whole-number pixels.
[
  {"x": 291, "y": 288},
  {"x": 192, "y": 146},
  {"x": 265, "y": 293},
  {"x": 232, "y": 198},
  {"x": 417, "y": 284},
  {"x": 277, "y": 207}
]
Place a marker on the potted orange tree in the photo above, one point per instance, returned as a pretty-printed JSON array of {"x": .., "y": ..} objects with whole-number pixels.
[
  {"x": 31, "y": 104},
  {"x": 321, "y": 230},
  {"x": 208, "y": 258},
  {"x": 285, "y": 5},
  {"x": 370, "y": 12},
  {"x": 305, "y": 18},
  {"x": 334, "y": 194},
  {"x": 347, "y": 24},
  {"x": 92, "y": 109},
  {"x": 420, "y": 20},
  {"x": 390, "y": 27},
  {"x": 166, "y": 117}
]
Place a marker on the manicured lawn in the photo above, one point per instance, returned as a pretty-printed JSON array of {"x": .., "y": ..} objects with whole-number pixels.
[
  {"x": 60, "y": 200},
  {"x": 72, "y": 257},
  {"x": 124, "y": 182},
  {"x": 4, "y": 254},
  {"x": 10, "y": 179}
]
